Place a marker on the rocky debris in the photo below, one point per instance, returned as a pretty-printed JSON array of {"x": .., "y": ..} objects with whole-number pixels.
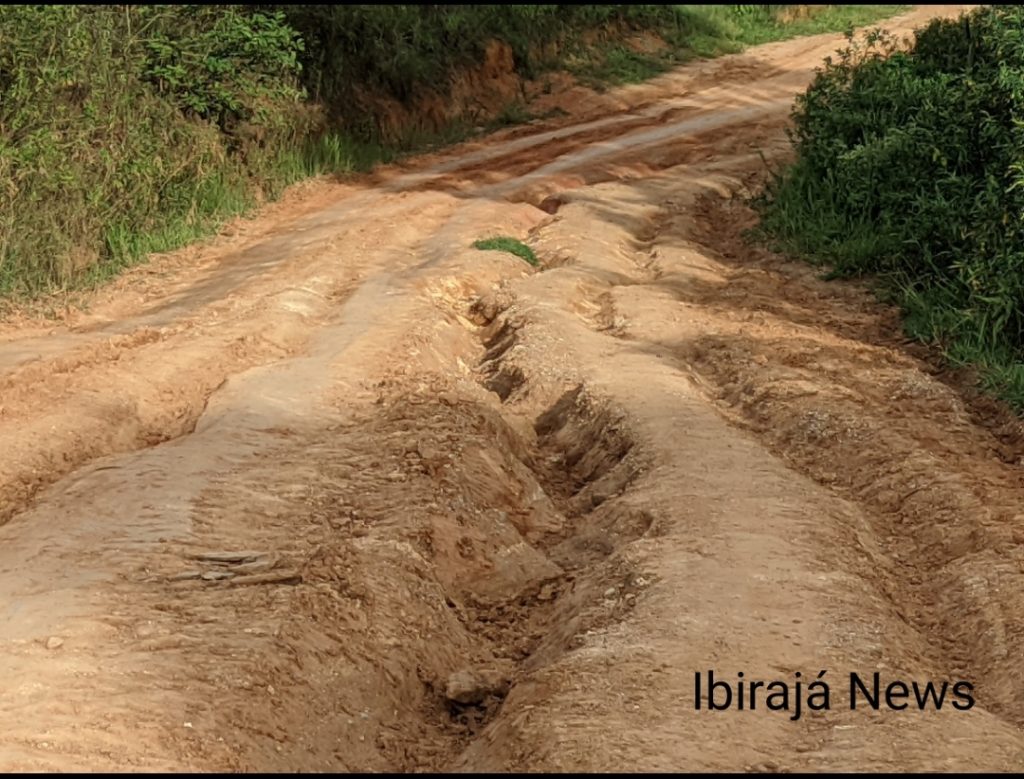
[
  {"x": 471, "y": 687},
  {"x": 548, "y": 592},
  {"x": 248, "y": 556},
  {"x": 278, "y": 577},
  {"x": 242, "y": 567},
  {"x": 212, "y": 576},
  {"x": 551, "y": 204},
  {"x": 54, "y": 642},
  {"x": 262, "y": 565}
]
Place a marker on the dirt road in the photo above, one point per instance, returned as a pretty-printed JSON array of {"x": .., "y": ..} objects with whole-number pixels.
[{"x": 339, "y": 492}]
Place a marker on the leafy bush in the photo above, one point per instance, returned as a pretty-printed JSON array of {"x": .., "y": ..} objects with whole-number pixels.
[
  {"x": 113, "y": 121},
  {"x": 221, "y": 65},
  {"x": 910, "y": 165}
]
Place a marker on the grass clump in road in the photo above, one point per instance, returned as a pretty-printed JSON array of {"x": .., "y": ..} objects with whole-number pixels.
[
  {"x": 910, "y": 168},
  {"x": 510, "y": 245}
]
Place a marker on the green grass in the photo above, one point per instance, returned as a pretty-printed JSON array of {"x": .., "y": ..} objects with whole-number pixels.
[
  {"x": 333, "y": 153},
  {"x": 513, "y": 113},
  {"x": 510, "y": 245},
  {"x": 621, "y": 65},
  {"x": 757, "y": 27},
  {"x": 801, "y": 219},
  {"x": 712, "y": 31}
]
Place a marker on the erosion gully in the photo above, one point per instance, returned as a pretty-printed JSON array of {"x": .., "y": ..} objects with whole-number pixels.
[{"x": 337, "y": 491}]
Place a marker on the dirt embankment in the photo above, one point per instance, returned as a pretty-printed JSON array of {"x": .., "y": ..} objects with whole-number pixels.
[
  {"x": 478, "y": 95},
  {"x": 348, "y": 494}
]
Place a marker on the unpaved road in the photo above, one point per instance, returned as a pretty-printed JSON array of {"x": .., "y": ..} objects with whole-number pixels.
[{"x": 270, "y": 493}]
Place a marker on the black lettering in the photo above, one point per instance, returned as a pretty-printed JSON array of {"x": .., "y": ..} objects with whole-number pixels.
[
  {"x": 696, "y": 690},
  {"x": 892, "y": 692},
  {"x": 856, "y": 683},
  {"x": 819, "y": 694},
  {"x": 966, "y": 702},
  {"x": 796, "y": 698},
  {"x": 712, "y": 687},
  {"x": 781, "y": 690},
  {"x": 753, "y": 689},
  {"x": 930, "y": 692}
]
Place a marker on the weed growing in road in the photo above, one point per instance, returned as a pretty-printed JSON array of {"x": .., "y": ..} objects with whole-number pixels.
[{"x": 511, "y": 245}]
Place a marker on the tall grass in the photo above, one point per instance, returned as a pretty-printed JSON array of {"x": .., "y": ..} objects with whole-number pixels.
[{"x": 118, "y": 122}]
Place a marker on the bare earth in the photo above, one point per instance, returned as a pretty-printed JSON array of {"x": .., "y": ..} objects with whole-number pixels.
[{"x": 267, "y": 495}]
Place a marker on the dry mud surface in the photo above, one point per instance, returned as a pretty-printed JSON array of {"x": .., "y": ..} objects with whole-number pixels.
[{"x": 336, "y": 491}]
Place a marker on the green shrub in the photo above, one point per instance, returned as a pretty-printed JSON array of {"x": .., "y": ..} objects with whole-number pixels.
[
  {"x": 910, "y": 165},
  {"x": 118, "y": 120},
  {"x": 398, "y": 50},
  {"x": 218, "y": 64}
]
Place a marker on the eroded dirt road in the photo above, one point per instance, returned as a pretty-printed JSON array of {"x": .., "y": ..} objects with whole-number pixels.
[{"x": 270, "y": 494}]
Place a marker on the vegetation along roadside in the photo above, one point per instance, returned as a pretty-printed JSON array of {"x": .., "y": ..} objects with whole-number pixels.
[
  {"x": 910, "y": 168},
  {"x": 127, "y": 130}
]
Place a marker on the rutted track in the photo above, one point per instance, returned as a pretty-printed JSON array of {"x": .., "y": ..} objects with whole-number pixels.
[{"x": 357, "y": 496}]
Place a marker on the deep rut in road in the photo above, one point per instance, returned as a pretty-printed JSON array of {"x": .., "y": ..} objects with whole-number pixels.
[{"x": 357, "y": 496}]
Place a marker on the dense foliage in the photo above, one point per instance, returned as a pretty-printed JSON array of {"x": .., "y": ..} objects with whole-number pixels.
[
  {"x": 131, "y": 129},
  {"x": 910, "y": 164},
  {"x": 117, "y": 121},
  {"x": 398, "y": 49}
]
